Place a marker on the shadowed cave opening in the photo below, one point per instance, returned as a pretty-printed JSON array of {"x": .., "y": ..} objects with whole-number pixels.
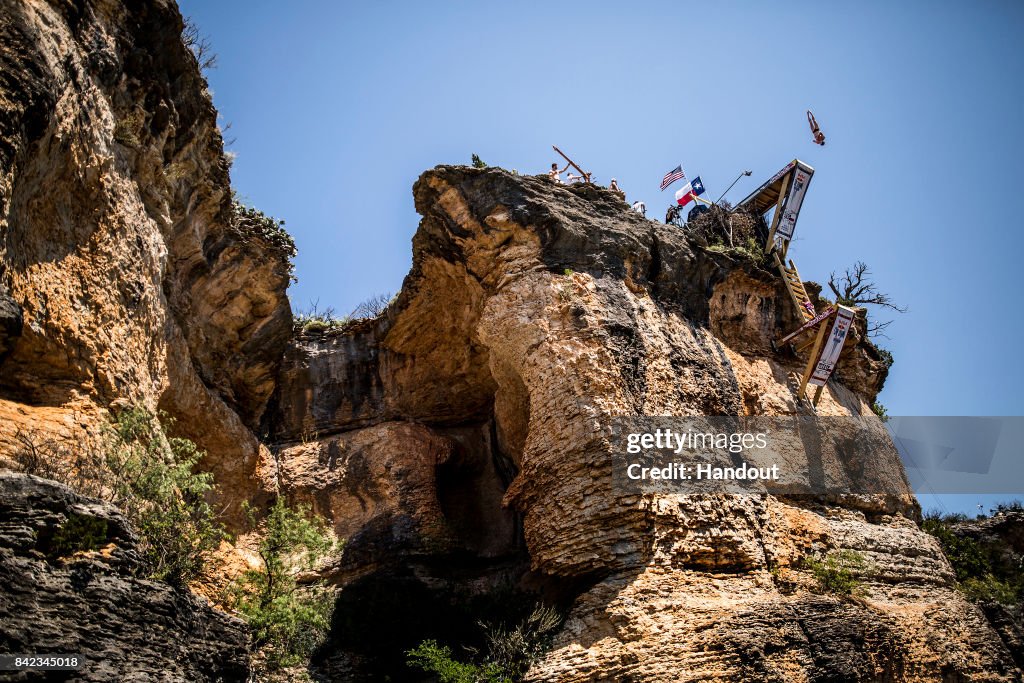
[
  {"x": 441, "y": 591},
  {"x": 442, "y": 585}
]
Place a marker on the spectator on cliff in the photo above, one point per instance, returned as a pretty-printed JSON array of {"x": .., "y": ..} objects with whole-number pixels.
[
  {"x": 555, "y": 174},
  {"x": 640, "y": 208},
  {"x": 614, "y": 187}
]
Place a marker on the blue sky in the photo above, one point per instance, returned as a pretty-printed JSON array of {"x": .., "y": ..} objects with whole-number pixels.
[{"x": 337, "y": 107}]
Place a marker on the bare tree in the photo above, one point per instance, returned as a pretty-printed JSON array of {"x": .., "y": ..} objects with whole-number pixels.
[
  {"x": 199, "y": 45},
  {"x": 877, "y": 329},
  {"x": 856, "y": 288},
  {"x": 80, "y": 464},
  {"x": 314, "y": 313},
  {"x": 372, "y": 307}
]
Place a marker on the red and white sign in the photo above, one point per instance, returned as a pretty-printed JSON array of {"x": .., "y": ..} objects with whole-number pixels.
[
  {"x": 794, "y": 199},
  {"x": 833, "y": 347}
]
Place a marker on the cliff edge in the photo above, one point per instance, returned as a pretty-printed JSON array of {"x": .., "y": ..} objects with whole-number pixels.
[{"x": 459, "y": 442}]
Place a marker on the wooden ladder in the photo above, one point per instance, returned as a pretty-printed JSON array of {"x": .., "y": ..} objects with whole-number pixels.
[{"x": 796, "y": 287}]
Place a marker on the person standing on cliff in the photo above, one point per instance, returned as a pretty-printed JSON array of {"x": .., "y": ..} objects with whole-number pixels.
[
  {"x": 640, "y": 208},
  {"x": 555, "y": 174},
  {"x": 672, "y": 215}
]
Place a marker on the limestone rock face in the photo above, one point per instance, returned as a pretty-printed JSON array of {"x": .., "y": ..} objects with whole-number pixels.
[
  {"x": 57, "y": 599},
  {"x": 458, "y": 442},
  {"x": 534, "y": 314},
  {"x": 122, "y": 278}
]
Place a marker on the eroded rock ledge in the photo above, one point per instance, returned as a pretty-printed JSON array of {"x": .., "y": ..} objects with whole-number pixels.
[
  {"x": 57, "y": 599},
  {"x": 458, "y": 443}
]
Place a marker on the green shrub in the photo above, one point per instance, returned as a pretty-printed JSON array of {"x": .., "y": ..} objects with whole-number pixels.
[
  {"x": 477, "y": 163},
  {"x": 513, "y": 650},
  {"x": 754, "y": 250},
  {"x": 313, "y": 320},
  {"x": 966, "y": 555},
  {"x": 288, "y": 620},
  {"x": 750, "y": 250},
  {"x": 249, "y": 222},
  {"x": 879, "y": 410},
  {"x": 989, "y": 589},
  {"x": 837, "y": 572},
  {"x": 439, "y": 660},
  {"x": 986, "y": 569},
  {"x": 153, "y": 482},
  {"x": 149, "y": 476},
  {"x": 78, "y": 533},
  {"x": 510, "y": 651},
  {"x": 177, "y": 170}
]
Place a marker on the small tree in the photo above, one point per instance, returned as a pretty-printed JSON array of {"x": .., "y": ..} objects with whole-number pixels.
[
  {"x": 510, "y": 651},
  {"x": 372, "y": 307},
  {"x": 134, "y": 464},
  {"x": 431, "y": 657},
  {"x": 477, "y": 163},
  {"x": 153, "y": 482},
  {"x": 199, "y": 45},
  {"x": 288, "y": 619},
  {"x": 837, "y": 572},
  {"x": 855, "y": 288}
]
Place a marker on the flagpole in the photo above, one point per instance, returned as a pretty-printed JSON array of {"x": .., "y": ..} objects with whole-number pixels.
[{"x": 733, "y": 183}]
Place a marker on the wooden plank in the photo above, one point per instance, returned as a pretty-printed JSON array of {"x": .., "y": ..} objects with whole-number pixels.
[
  {"x": 813, "y": 359},
  {"x": 803, "y": 347},
  {"x": 586, "y": 176},
  {"x": 765, "y": 196},
  {"x": 817, "y": 396},
  {"x": 770, "y": 244},
  {"x": 785, "y": 248},
  {"x": 806, "y": 326},
  {"x": 798, "y": 295}
]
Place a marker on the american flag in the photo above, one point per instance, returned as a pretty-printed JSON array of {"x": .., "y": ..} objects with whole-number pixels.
[{"x": 672, "y": 176}]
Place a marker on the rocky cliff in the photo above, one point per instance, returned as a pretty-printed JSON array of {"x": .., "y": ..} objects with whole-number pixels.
[
  {"x": 458, "y": 442},
  {"x": 463, "y": 434},
  {"x": 68, "y": 565},
  {"x": 123, "y": 277}
]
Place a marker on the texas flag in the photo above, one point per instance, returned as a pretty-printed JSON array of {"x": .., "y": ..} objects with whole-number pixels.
[{"x": 688, "y": 191}]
